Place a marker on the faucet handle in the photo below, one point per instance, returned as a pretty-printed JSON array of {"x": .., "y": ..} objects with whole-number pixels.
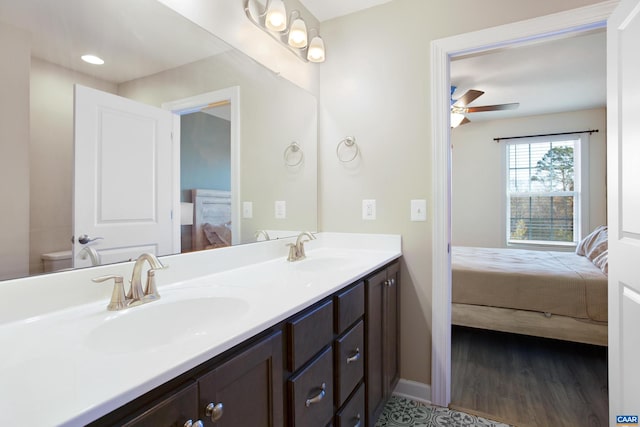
[
  {"x": 151, "y": 290},
  {"x": 293, "y": 252},
  {"x": 118, "y": 299}
]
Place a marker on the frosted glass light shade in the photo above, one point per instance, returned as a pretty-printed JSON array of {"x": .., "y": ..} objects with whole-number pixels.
[
  {"x": 276, "y": 19},
  {"x": 298, "y": 34},
  {"x": 316, "y": 50},
  {"x": 456, "y": 119}
]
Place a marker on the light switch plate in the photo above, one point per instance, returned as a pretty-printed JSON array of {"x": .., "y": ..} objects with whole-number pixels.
[
  {"x": 419, "y": 210},
  {"x": 369, "y": 209},
  {"x": 247, "y": 209},
  {"x": 280, "y": 209}
]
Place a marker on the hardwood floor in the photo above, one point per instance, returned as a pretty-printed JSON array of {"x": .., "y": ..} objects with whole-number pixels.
[{"x": 529, "y": 381}]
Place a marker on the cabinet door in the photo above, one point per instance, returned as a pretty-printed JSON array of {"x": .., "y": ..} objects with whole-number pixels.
[
  {"x": 175, "y": 410},
  {"x": 247, "y": 390},
  {"x": 391, "y": 331},
  {"x": 374, "y": 327}
]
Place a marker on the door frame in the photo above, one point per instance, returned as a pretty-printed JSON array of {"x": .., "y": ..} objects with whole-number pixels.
[
  {"x": 560, "y": 24},
  {"x": 196, "y": 103}
]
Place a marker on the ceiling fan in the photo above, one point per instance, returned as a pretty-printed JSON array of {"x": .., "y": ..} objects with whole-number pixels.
[{"x": 459, "y": 106}]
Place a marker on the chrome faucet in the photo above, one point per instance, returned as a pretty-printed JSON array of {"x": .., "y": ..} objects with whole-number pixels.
[
  {"x": 136, "y": 295},
  {"x": 296, "y": 251}
]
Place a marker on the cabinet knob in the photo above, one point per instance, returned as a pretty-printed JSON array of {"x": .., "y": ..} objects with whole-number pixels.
[
  {"x": 190, "y": 423},
  {"x": 358, "y": 421},
  {"x": 390, "y": 282},
  {"x": 355, "y": 357},
  {"x": 215, "y": 411},
  {"x": 318, "y": 397}
]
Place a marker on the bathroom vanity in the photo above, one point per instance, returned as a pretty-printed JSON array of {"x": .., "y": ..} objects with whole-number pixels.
[{"x": 266, "y": 343}]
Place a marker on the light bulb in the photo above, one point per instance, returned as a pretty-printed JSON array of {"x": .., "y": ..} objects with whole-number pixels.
[
  {"x": 316, "y": 50},
  {"x": 456, "y": 119},
  {"x": 276, "y": 19},
  {"x": 92, "y": 59},
  {"x": 298, "y": 34}
]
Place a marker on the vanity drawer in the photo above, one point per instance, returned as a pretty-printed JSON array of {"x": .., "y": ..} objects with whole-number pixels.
[
  {"x": 311, "y": 393},
  {"x": 349, "y": 363},
  {"x": 352, "y": 415},
  {"x": 308, "y": 333},
  {"x": 349, "y": 307}
]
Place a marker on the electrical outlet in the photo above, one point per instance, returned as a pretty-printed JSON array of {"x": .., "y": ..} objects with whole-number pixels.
[
  {"x": 419, "y": 210},
  {"x": 247, "y": 209},
  {"x": 368, "y": 209},
  {"x": 280, "y": 209}
]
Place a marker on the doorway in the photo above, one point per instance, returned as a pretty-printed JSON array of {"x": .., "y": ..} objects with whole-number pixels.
[
  {"x": 511, "y": 35},
  {"x": 221, "y": 104}
]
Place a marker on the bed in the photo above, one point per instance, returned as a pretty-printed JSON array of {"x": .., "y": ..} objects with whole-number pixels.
[
  {"x": 211, "y": 219},
  {"x": 561, "y": 295}
]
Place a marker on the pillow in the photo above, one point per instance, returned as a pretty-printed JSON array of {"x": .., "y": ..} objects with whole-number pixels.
[
  {"x": 602, "y": 261},
  {"x": 594, "y": 244},
  {"x": 217, "y": 235}
]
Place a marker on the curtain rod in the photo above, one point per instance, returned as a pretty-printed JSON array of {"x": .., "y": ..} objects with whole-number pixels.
[{"x": 547, "y": 134}]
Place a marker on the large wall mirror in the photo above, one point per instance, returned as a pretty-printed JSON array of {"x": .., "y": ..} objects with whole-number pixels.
[{"x": 242, "y": 159}]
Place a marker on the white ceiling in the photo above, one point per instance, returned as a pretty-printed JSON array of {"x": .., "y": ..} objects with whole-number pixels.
[
  {"x": 324, "y": 10},
  {"x": 135, "y": 38},
  {"x": 567, "y": 74}
]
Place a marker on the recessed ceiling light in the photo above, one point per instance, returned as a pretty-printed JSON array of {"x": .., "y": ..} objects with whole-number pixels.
[{"x": 92, "y": 59}]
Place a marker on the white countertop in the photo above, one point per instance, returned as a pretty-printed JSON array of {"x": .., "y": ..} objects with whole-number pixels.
[{"x": 70, "y": 364}]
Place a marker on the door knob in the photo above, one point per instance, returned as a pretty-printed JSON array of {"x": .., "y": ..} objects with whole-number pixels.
[{"x": 84, "y": 239}]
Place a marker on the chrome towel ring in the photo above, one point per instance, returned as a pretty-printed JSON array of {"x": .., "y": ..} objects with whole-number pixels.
[
  {"x": 290, "y": 154},
  {"x": 344, "y": 148}
]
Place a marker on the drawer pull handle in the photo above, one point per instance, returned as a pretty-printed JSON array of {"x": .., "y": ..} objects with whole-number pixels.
[
  {"x": 359, "y": 421},
  {"x": 215, "y": 411},
  {"x": 190, "y": 423},
  {"x": 355, "y": 357},
  {"x": 317, "y": 398}
]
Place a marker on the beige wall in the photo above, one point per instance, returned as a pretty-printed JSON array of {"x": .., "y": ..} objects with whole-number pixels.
[
  {"x": 15, "y": 46},
  {"x": 273, "y": 113},
  {"x": 375, "y": 85},
  {"x": 51, "y": 156},
  {"x": 478, "y": 172}
]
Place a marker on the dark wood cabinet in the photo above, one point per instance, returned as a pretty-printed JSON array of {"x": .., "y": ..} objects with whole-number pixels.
[
  {"x": 333, "y": 363},
  {"x": 247, "y": 389},
  {"x": 381, "y": 339},
  {"x": 174, "y": 410}
]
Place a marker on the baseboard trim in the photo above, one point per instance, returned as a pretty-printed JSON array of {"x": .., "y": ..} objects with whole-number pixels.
[{"x": 413, "y": 390}]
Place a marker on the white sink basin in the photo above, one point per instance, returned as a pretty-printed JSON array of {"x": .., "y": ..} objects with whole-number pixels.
[{"x": 160, "y": 323}]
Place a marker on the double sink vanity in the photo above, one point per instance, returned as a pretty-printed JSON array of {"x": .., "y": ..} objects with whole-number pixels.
[{"x": 240, "y": 336}]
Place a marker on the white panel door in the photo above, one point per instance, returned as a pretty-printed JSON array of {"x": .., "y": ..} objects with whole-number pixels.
[
  {"x": 123, "y": 175},
  {"x": 623, "y": 140}
]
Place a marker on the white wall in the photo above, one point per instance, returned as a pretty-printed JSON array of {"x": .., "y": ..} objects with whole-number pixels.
[
  {"x": 375, "y": 85},
  {"x": 478, "y": 216},
  {"x": 15, "y": 46},
  {"x": 51, "y": 156}
]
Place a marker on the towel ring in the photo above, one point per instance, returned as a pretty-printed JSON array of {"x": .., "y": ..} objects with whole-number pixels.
[
  {"x": 349, "y": 143},
  {"x": 293, "y": 148}
]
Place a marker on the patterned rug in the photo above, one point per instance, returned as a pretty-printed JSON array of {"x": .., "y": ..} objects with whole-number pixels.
[{"x": 402, "y": 412}]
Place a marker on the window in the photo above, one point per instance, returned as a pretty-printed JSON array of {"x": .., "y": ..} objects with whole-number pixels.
[{"x": 544, "y": 191}]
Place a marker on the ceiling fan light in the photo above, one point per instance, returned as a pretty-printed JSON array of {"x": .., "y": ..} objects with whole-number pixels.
[
  {"x": 456, "y": 119},
  {"x": 276, "y": 19},
  {"x": 298, "y": 34},
  {"x": 316, "y": 50}
]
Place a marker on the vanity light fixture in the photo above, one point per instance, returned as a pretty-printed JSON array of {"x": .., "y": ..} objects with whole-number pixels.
[
  {"x": 291, "y": 33},
  {"x": 92, "y": 59}
]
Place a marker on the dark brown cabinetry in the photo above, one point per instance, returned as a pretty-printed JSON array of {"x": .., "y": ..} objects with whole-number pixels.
[
  {"x": 334, "y": 363},
  {"x": 381, "y": 339},
  {"x": 246, "y": 390}
]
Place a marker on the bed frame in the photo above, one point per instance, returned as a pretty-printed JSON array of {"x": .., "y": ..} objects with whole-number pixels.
[
  {"x": 530, "y": 323},
  {"x": 209, "y": 206}
]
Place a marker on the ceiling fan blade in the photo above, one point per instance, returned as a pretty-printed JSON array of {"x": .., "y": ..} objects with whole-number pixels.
[
  {"x": 467, "y": 98},
  {"x": 464, "y": 121},
  {"x": 498, "y": 107}
]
